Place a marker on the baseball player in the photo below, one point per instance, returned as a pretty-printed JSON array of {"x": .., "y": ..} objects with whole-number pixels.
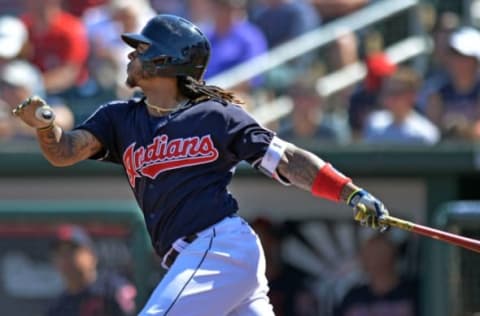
[{"x": 179, "y": 145}]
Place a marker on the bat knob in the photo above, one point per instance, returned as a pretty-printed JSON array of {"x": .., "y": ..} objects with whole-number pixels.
[{"x": 45, "y": 114}]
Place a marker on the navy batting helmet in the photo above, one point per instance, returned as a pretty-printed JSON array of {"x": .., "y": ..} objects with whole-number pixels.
[{"x": 177, "y": 47}]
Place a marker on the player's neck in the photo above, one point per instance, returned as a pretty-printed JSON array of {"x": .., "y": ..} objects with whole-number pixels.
[
  {"x": 157, "y": 110},
  {"x": 160, "y": 101}
]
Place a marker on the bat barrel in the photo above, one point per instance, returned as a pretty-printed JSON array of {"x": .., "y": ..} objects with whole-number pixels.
[{"x": 461, "y": 241}]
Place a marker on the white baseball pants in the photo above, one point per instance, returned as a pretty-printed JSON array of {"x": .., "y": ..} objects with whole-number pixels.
[{"x": 221, "y": 273}]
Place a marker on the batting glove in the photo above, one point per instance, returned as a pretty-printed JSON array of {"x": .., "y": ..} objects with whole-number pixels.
[{"x": 368, "y": 210}]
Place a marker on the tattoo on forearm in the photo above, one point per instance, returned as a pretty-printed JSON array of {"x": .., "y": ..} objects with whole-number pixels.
[
  {"x": 68, "y": 147},
  {"x": 300, "y": 167}
]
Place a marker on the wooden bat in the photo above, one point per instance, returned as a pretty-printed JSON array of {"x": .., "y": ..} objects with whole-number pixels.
[{"x": 457, "y": 240}]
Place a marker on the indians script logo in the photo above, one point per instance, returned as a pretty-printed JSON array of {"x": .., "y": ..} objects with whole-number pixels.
[{"x": 163, "y": 155}]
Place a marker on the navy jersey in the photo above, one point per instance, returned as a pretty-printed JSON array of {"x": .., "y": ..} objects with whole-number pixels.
[{"x": 179, "y": 165}]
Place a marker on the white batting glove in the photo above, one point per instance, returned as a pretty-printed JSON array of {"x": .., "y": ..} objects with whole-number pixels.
[{"x": 368, "y": 210}]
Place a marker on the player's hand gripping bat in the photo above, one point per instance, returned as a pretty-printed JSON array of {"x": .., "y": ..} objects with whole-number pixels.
[
  {"x": 35, "y": 112},
  {"x": 457, "y": 240}
]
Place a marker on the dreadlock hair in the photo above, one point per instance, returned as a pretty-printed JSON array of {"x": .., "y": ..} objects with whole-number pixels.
[{"x": 198, "y": 91}]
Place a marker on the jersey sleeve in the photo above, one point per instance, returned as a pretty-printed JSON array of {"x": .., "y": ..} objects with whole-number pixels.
[
  {"x": 101, "y": 125},
  {"x": 249, "y": 140},
  {"x": 255, "y": 144}
]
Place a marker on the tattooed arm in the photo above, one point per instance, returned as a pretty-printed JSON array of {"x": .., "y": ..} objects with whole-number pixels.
[
  {"x": 62, "y": 148},
  {"x": 304, "y": 170},
  {"x": 301, "y": 167}
]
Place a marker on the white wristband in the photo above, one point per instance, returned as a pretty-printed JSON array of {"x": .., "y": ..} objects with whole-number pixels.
[{"x": 272, "y": 157}]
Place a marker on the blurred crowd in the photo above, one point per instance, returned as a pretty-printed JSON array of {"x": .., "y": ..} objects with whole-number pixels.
[
  {"x": 70, "y": 53},
  {"x": 372, "y": 278}
]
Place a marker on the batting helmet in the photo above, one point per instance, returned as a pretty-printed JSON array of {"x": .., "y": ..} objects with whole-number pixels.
[{"x": 177, "y": 47}]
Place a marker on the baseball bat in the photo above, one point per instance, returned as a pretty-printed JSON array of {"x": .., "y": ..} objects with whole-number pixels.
[{"x": 457, "y": 240}]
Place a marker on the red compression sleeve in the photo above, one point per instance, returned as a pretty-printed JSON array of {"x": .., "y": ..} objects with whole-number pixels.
[{"x": 329, "y": 183}]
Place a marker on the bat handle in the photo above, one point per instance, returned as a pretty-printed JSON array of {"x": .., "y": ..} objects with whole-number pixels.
[{"x": 396, "y": 222}]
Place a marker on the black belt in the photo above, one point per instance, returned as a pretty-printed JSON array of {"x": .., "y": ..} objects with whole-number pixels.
[{"x": 173, "y": 253}]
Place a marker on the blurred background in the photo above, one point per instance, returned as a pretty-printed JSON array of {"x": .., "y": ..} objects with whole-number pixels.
[{"x": 388, "y": 91}]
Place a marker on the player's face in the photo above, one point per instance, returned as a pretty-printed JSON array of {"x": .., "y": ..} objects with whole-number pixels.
[{"x": 135, "y": 71}]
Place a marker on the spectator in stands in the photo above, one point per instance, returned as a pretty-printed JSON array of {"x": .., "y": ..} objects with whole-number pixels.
[
  {"x": 176, "y": 7},
  {"x": 58, "y": 45},
  {"x": 344, "y": 50},
  {"x": 364, "y": 99},
  {"x": 78, "y": 7},
  {"x": 297, "y": 18},
  {"x": 108, "y": 55},
  {"x": 308, "y": 121},
  {"x": 386, "y": 292},
  {"x": 330, "y": 10},
  {"x": 19, "y": 80},
  {"x": 399, "y": 122},
  {"x": 453, "y": 103},
  {"x": 200, "y": 13},
  {"x": 445, "y": 24},
  {"x": 13, "y": 37},
  {"x": 289, "y": 292},
  {"x": 87, "y": 291},
  {"x": 233, "y": 39},
  {"x": 339, "y": 54}
]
